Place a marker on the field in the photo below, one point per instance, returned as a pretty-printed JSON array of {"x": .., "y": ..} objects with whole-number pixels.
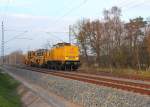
[{"x": 8, "y": 92}]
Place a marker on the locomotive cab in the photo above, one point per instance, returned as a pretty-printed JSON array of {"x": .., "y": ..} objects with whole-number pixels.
[{"x": 64, "y": 56}]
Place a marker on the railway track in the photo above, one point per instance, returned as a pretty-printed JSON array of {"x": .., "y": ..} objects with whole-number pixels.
[{"x": 123, "y": 84}]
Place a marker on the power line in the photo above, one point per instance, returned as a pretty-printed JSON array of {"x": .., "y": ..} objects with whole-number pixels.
[
  {"x": 71, "y": 10},
  {"x": 24, "y": 38},
  {"x": 55, "y": 36},
  {"x": 126, "y": 3},
  {"x": 14, "y": 30},
  {"x": 130, "y": 4},
  {"x": 61, "y": 9},
  {"x": 15, "y": 37},
  {"x": 138, "y": 4},
  {"x": 67, "y": 13}
]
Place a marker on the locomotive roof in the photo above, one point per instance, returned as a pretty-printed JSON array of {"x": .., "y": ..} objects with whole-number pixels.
[
  {"x": 41, "y": 50},
  {"x": 62, "y": 44}
]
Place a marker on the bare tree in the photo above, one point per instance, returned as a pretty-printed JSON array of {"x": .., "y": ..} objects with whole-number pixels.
[
  {"x": 82, "y": 38},
  {"x": 113, "y": 42},
  {"x": 114, "y": 33},
  {"x": 15, "y": 57},
  {"x": 135, "y": 34}
]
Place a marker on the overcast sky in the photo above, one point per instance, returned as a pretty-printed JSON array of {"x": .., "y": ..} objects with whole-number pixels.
[{"x": 30, "y": 20}]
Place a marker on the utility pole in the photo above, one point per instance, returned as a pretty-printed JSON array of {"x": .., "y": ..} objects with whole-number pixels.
[
  {"x": 70, "y": 34},
  {"x": 2, "y": 50}
]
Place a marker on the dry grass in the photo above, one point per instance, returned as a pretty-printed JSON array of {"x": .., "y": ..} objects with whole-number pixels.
[{"x": 116, "y": 72}]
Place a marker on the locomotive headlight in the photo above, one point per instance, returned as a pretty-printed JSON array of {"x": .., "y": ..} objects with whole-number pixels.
[
  {"x": 66, "y": 58},
  {"x": 77, "y": 58}
]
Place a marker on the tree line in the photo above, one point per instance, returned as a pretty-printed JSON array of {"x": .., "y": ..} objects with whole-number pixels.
[
  {"x": 14, "y": 58},
  {"x": 113, "y": 42}
]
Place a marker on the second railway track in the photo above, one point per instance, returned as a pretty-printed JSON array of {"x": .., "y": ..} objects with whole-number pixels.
[{"x": 127, "y": 85}]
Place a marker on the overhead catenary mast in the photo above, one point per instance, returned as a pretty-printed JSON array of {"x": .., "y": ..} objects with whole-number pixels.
[
  {"x": 70, "y": 34},
  {"x": 2, "y": 48}
]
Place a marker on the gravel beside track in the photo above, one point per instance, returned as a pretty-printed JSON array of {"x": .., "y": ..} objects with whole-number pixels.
[
  {"x": 87, "y": 94},
  {"x": 132, "y": 85}
]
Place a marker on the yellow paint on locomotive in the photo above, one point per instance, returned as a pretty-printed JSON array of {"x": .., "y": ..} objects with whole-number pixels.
[
  {"x": 71, "y": 53},
  {"x": 63, "y": 53}
]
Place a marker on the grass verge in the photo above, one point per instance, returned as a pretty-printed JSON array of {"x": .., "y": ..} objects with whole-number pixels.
[
  {"x": 8, "y": 91},
  {"x": 124, "y": 72}
]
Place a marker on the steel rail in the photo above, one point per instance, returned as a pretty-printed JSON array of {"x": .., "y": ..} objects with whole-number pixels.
[{"x": 114, "y": 83}]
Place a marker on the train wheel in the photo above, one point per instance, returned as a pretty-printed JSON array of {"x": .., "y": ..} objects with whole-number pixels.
[
  {"x": 69, "y": 68},
  {"x": 72, "y": 68},
  {"x": 62, "y": 68},
  {"x": 65, "y": 68},
  {"x": 57, "y": 67},
  {"x": 50, "y": 67}
]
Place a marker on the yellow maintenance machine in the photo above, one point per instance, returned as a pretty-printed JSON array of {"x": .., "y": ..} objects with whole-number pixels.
[
  {"x": 29, "y": 58},
  {"x": 61, "y": 56}
]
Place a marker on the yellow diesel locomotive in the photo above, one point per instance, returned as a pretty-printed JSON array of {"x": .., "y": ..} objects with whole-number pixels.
[{"x": 62, "y": 56}]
